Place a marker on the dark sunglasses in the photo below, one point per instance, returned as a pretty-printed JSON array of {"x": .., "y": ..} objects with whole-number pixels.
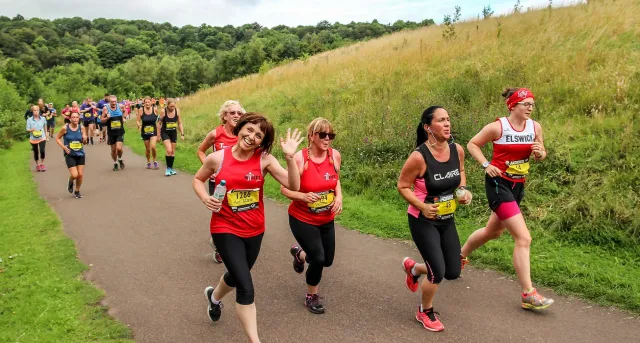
[{"x": 323, "y": 135}]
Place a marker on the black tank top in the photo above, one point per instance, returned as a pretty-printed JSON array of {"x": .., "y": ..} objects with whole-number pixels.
[
  {"x": 441, "y": 180},
  {"x": 170, "y": 124},
  {"x": 149, "y": 123}
]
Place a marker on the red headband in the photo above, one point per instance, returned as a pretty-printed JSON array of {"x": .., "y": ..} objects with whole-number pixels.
[{"x": 517, "y": 96}]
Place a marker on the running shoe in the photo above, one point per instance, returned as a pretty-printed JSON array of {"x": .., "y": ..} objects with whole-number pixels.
[
  {"x": 173, "y": 172},
  {"x": 216, "y": 256},
  {"x": 298, "y": 265},
  {"x": 155, "y": 164},
  {"x": 115, "y": 167},
  {"x": 410, "y": 280},
  {"x": 148, "y": 165},
  {"x": 43, "y": 168},
  {"x": 77, "y": 194},
  {"x": 70, "y": 185},
  {"x": 167, "y": 172},
  {"x": 37, "y": 167},
  {"x": 535, "y": 301},
  {"x": 429, "y": 320},
  {"x": 214, "y": 311},
  {"x": 312, "y": 302},
  {"x": 121, "y": 163},
  {"x": 464, "y": 261}
]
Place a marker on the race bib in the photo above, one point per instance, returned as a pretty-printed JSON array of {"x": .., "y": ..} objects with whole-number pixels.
[
  {"x": 446, "y": 206},
  {"x": 75, "y": 145},
  {"x": 36, "y": 134},
  {"x": 115, "y": 125},
  {"x": 87, "y": 115},
  {"x": 517, "y": 169},
  {"x": 172, "y": 125},
  {"x": 241, "y": 200},
  {"x": 149, "y": 130},
  {"x": 324, "y": 203}
]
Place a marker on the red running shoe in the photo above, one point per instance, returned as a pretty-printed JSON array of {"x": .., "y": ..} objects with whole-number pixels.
[
  {"x": 429, "y": 320},
  {"x": 410, "y": 280},
  {"x": 463, "y": 262},
  {"x": 37, "y": 167}
]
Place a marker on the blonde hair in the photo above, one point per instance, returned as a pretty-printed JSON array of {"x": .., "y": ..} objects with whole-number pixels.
[
  {"x": 317, "y": 125},
  {"x": 226, "y": 106}
]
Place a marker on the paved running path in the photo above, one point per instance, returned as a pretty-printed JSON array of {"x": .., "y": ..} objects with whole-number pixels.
[{"x": 145, "y": 237}]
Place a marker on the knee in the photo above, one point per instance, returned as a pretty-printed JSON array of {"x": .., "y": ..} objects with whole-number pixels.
[
  {"x": 434, "y": 276},
  {"x": 80, "y": 175},
  {"x": 452, "y": 274},
  {"x": 317, "y": 259},
  {"x": 523, "y": 240},
  {"x": 245, "y": 294}
]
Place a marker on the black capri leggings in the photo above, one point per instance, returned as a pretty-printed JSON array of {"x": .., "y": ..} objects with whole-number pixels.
[
  {"x": 439, "y": 246},
  {"x": 38, "y": 147},
  {"x": 239, "y": 254},
  {"x": 318, "y": 242}
]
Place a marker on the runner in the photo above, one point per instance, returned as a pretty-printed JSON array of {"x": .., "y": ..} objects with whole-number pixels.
[
  {"x": 88, "y": 120},
  {"x": 96, "y": 118},
  {"x": 112, "y": 118},
  {"x": 218, "y": 139},
  {"x": 66, "y": 112},
  {"x": 71, "y": 139},
  {"x": 314, "y": 207},
  {"x": 237, "y": 222},
  {"x": 74, "y": 109},
  {"x": 37, "y": 137},
  {"x": 51, "y": 120},
  {"x": 168, "y": 124},
  {"x": 147, "y": 120},
  {"x": 514, "y": 139},
  {"x": 435, "y": 170}
]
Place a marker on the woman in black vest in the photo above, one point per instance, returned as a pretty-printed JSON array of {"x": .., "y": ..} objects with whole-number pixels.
[{"x": 436, "y": 172}]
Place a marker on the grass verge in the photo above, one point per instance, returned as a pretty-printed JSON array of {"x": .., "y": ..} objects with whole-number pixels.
[
  {"x": 587, "y": 271},
  {"x": 43, "y": 297}
]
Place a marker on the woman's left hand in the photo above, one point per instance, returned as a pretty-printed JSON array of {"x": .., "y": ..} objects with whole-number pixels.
[
  {"x": 337, "y": 205},
  {"x": 466, "y": 199},
  {"x": 290, "y": 145}
]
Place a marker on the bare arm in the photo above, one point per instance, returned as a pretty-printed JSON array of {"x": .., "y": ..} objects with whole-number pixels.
[
  {"x": 105, "y": 114},
  {"x": 208, "y": 168},
  {"x": 466, "y": 199},
  {"x": 539, "y": 152},
  {"x": 61, "y": 133},
  {"x": 180, "y": 124},
  {"x": 294, "y": 195},
  {"x": 489, "y": 133},
  {"x": 205, "y": 145},
  {"x": 289, "y": 178},
  {"x": 412, "y": 169},
  {"x": 337, "y": 203}
]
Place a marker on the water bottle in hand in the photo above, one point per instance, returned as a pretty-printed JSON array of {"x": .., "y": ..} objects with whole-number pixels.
[{"x": 220, "y": 190}]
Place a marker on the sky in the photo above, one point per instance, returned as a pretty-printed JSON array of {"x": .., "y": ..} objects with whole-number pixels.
[{"x": 265, "y": 12}]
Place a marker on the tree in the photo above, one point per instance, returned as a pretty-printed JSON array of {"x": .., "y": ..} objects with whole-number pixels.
[
  {"x": 110, "y": 54},
  {"x": 487, "y": 12}
]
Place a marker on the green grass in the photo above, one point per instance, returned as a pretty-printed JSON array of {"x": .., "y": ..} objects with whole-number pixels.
[
  {"x": 601, "y": 275},
  {"x": 43, "y": 297}
]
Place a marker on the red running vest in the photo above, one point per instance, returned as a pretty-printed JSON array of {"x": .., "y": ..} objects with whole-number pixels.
[
  {"x": 242, "y": 212},
  {"x": 512, "y": 150},
  {"x": 321, "y": 178},
  {"x": 222, "y": 139}
]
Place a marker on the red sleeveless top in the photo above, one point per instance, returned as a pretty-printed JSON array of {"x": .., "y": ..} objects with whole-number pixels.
[
  {"x": 242, "y": 212},
  {"x": 223, "y": 140},
  {"x": 321, "y": 178}
]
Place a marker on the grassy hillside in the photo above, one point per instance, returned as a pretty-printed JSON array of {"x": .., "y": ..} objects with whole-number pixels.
[{"x": 582, "y": 64}]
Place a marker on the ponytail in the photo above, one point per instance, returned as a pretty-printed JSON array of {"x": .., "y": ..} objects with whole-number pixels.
[{"x": 427, "y": 117}]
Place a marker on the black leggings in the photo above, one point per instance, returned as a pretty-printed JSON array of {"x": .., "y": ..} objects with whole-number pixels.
[
  {"x": 439, "y": 246},
  {"x": 239, "y": 254},
  {"x": 318, "y": 242},
  {"x": 38, "y": 146}
]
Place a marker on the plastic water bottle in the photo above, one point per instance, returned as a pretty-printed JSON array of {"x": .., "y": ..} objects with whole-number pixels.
[
  {"x": 219, "y": 192},
  {"x": 459, "y": 193}
]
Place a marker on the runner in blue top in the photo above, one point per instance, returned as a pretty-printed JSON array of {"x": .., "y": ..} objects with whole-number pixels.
[
  {"x": 71, "y": 138},
  {"x": 112, "y": 118},
  {"x": 88, "y": 120}
]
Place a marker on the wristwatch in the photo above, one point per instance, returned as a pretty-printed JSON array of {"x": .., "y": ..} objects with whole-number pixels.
[{"x": 485, "y": 164}]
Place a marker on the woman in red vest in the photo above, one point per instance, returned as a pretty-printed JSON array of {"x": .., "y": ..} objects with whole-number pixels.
[
  {"x": 237, "y": 221},
  {"x": 314, "y": 207}
]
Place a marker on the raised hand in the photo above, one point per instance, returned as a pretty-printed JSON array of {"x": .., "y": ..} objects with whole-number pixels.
[{"x": 290, "y": 145}]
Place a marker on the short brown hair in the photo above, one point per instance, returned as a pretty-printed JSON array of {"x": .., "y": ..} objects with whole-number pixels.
[{"x": 263, "y": 123}]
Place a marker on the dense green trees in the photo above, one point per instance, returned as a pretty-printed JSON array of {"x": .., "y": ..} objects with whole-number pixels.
[{"x": 63, "y": 58}]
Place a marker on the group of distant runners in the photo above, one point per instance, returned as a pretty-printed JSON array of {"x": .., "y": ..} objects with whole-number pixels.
[
  {"x": 432, "y": 181},
  {"x": 103, "y": 120}
]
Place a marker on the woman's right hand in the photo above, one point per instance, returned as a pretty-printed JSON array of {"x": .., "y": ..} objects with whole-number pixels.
[
  {"x": 493, "y": 171},
  {"x": 310, "y": 197},
  {"x": 429, "y": 210},
  {"x": 66, "y": 149},
  {"x": 213, "y": 204}
]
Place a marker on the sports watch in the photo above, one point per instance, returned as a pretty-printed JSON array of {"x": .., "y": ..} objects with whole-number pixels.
[{"x": 485, "y": 164}]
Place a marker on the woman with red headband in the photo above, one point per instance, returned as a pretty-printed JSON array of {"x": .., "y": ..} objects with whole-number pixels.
[{"x": 514, "y": 139}]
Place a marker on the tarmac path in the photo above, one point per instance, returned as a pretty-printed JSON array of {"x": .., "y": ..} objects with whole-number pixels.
[{"x": 146, "y": 238}]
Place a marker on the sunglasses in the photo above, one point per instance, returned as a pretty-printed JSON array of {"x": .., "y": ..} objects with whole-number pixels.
[
  {"x": 323, "y": 135},
  {"x": 234, "y": 113}
]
